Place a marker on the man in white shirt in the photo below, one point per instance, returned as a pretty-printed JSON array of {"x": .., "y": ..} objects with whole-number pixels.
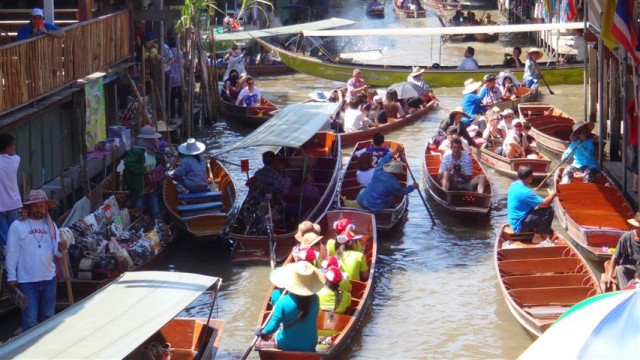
[
  {"x": 10, "y": 202},
  {"x": 250, "y": 95},
  {"x": 32, "y": 244},
  {"x": 468, "y": 63}
]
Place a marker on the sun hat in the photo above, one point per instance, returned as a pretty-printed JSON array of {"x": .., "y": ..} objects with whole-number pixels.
[
  {"x": 537, "y": 51},
  {"x": 148, "y": 132},
  {"x": 36, "y": 196},
  {"x": 394, "y": 167},
  {"x": 507, "y": 112},
  {"x": 506, "y": 74},
  {"x": 307, "y": 255},
  {"x": 305, "y": 227},
  {"x": 489, "y": 77},
  {"x": 300, "y": 278},
  {"x": 343, "y": 225},
  {"x": 635, "y": 221},
  {"x": 333, "y": 275},
  {"x": 416, "y": 70},
  {"x": 330, "y": 261},
  {"x": 309, "y": 239},
  {"x": 577, "y": 128},
  {"x": 191, "y": 147},
  {"x": 347, "y": 236},
  {"x": 458, "y": 110},
  {"x": 470, "y": 86},
  {"x": 37, "y": 12},
  {"x": 161, "y": 126},
  {"x": 319, "y": 96}
]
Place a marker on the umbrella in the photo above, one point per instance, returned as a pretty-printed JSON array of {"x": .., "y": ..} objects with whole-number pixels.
[
  {"x": 605, "y": 326},
  {"x": 407, "y": 90}
]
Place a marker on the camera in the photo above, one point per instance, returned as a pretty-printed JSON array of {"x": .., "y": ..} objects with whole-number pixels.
[
  {"x": 507, "y": 55},
  {"x": 457, "y": 167}
]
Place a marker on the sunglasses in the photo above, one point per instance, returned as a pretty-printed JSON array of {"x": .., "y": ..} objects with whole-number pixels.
[{"x": 250, "y": 83}]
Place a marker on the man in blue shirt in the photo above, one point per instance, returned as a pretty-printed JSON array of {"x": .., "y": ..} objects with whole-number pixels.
[
  {"x": 376, "y": 148},
  {"x": 528, "y": 212},
  {"x": 583, "y": 149},
  {"x": 472, "y": 101},
  {"x": 37, "y": 27}
]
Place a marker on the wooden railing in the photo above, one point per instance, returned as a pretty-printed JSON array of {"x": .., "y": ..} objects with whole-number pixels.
[{"x": 37, "y": 67}]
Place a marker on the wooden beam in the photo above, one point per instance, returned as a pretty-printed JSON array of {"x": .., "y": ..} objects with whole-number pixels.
[
  {"x": 157, "y": 15},
  {"x": 84, "y": 10}
]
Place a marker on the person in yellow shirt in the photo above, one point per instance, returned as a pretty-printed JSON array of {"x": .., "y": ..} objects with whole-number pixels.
[
  {"x": 352, "y": 261},
  {"x": 332, "y": 298}
]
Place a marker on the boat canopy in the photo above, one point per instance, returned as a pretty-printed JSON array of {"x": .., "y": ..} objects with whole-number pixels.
[
  {"x": 450, "y": 30},
  {"x": 291, "y": 127},
  {"x": 284, "y": 30},
  {"x": 112, "y": 322}
]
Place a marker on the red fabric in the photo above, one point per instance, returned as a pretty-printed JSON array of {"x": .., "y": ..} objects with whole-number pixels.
[
  {"x": 632, "y": 121},
  {"x": 624, "y": 28}
]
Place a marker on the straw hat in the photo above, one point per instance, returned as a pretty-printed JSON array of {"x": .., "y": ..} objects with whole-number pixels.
[
  {"x": 416, "y": 70},
  {"x": 191, "y": 147},
  {"x": 507, "y": 112},
  {"x": 577, "y": 128},
  {"x": 36, "y": 196},
  {"x": 300, "y": 278},
  {"x": 470, "y": 86},
  {"x": 635, "y": 221},
  {"x": 305, "y": 227},
  {"x": 458, "y": 110},
  {"x": 319, "y": 96},
  {"x": 333, "y": 275},
  {"x": 309, "y": 239},
  {"x": 536, "y": 51},
  {"x": 161, "y": 126},
  {"x": 503, "y": 75},
  {"x": 148, "y": 132},
  {"x": 394, "y": 167}
]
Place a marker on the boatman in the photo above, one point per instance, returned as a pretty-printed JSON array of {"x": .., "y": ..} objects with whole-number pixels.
[
  {"x": 356, "y": 85},
  {"x": 531, "y": 75},
  {"x": 582, "y": 148},
  {"x": 624, "y": 260},
  {"x": 528, "y": 212}
]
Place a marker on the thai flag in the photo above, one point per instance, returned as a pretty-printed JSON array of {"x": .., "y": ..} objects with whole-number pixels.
[{"x": 624, "y": 29}]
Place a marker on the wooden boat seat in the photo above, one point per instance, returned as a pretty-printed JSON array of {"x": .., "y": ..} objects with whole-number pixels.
[
  {"x": 566, "y": 265},
  {"x": 541, "y": 312},
  {"x": 513, "y": 236},
  {"x": 538, "y": 281},
  {"x": 600, "y": 221},
  {"x": 357, "y": 289},
  {"x": 552, "y": 296},
  {"x": 531, "y": 252},
  {"x": 592, "y": 188},
  {"x": 191, "y": 208},
  {"x": 209, "y": 195}
]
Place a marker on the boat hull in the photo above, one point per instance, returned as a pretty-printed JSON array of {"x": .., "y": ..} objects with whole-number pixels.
[
  {"x": 550, "y": 126},
  {"x": 409, "y": 14},
  {"x": 509, "y": 167},
  {"x": 525, "y": 95},
  {"x": 250, "y": 117},
  {"x": 260, "y": 70}
]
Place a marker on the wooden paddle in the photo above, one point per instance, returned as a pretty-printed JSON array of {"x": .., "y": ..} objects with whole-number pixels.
[
  {"x": 67, "y": 275},
  {"x": 272, "y": 239},
  {"x": 424, "y": 201},
  {"x": 213, "y": 186},
  {"x": 535, "y": 64},
  {"x": 203, "y": 343},
  {"x": 556, "y": 168},
  {"x": 266, "y": 321}
]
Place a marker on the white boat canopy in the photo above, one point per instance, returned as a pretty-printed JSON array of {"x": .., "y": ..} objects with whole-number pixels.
[
  {"x": 112, "y": 322},
  {"x": 284, "y": 30},
  {"x": 291, "y": 127},
  {"x": 450, "y": 30}
]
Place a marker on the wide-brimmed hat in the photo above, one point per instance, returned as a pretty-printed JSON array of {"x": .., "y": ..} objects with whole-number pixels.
[
  {"x": 305, "y": 227},
  {"x": 394, "y": 167},
  {"x": 309, "y": 239},
  {"x": 191, "y": 147},
  {"x": 577, "y": 128},
  {"x": 458, "y": 110},
  {"x": 333, "y": 275},
  {"x": 537, "y": 51},
  {"x": 161, "y": 126},
  {"x": 36, "y": 196},
  {"x": 148, "y": 132},
  {"x": 470, "y": 86},
  {"x": 507, "y": 112},
  {"x": 635, "y": 221},
  {"x": 503, "y": 75},
  {"x": 319, "y": 96},
  {"x": 417, "y": 70},
  {"x": 300, "y": 278},
  {"x": 37, "y": 12}
]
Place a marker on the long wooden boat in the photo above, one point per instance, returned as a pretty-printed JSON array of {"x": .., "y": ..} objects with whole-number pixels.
[
  {"x": 340, "y": 328},
  {"x": 442, "y": 5},
  {"x": 550, "y": 126},
  {"x": 524, "y": 95},
  {"x": 418, "y": 12},
  {"x": 376, "y": 11},
  {"x": 594, "y": 214},
  {"x": 386, "y": 219},
  {"x": 540, "y": 283},
  {"x": 260, "y": 70},
  {"x": 453, "y": 200},
  {"x": 509, "y": 167},
  {"x": 203, "y": 217},
  {"x": 142, "y": 305},
  {"x": 348, "y": 139},
  {"x": 304, "y": 149},
  {"x": 252, "y": 116},
  {"x": 444, "y": 76}
]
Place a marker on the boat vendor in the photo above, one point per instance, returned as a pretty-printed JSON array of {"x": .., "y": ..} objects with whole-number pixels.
[
  {"x": 455, "y": 118},
  {"x": 332, "y": 298},
  {"x": 33, "y": 241},
  {"x": 191, "y": 175},
  {"x": 472, "y": 100},
  {"x": 624, "y": 260},
  {"x": 379, "y": 194},
  {"x": 526, "y": 211},
  {"x": 456, "y": 170},
  {"x": 355, "y": 85},
  {"x": 295, "y": 314},
  {"x": 495, "y": 94},
  {"x": 531, "y": 75},
  {"x": 583, "y": 150}
]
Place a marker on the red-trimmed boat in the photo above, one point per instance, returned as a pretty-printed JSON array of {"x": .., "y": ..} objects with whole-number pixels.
[
  {"x": 252, "y": 116},
  {"x": 509, "y": 167},
  {"x": 550, "y": 126}
]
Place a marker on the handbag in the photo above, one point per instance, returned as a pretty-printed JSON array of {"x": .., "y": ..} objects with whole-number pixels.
[{"x": 154, "y": 176}]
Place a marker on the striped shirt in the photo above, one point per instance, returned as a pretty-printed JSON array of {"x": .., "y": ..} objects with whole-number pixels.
[{"x": 464, "y": 161}]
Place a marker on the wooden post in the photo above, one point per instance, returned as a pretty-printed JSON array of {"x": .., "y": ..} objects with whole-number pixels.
[
  {"x": 84, "y": 9},
  {"x": 614, "y": 110}
]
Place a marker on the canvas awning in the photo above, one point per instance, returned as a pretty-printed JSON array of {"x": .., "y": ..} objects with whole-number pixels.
[
  {"x": 112, "y": 322},
  {"x": 284, "y": 30},
  {"x": 291, "y": 127}
]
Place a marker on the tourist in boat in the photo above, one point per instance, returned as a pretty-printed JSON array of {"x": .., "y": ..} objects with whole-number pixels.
[
  {"x": 354, "y": 119},
  {"x": 365, "y": 169},
  {"x": 331, "y": 261},
  {"x": 355, "y": 85},
  {"x": 513, "y": 60},
  {"x": 458, "y": 18},
  {"x": 37, "y": 27},
  {"x": 191, "y": 175},
  {"x": 331, "y": 297},
  {"x": 235, "y": 61},
  {"x": 507, "y": 119},
  {"x": 376, "y": 148},
  {"x": 295, "y": 314},
  {"x": 272, "y": 175},
  {"x": 33, "y": 241},
  {"x": 486, "y": 20},
  {"x": 635, "y": 283},
  {"x": 10, "y": 203},
  {"x": 507, "y": 83},
  {"x": 533, "y": 144},
  {"x": 456, "y": 170},
  {"x": 144, "y": 171},
  {"x": 471, "y": 18},
  {"x": 452, "y": 133},
  {"x": 583, "y": 150},
  {"x": 472, "y": 99},
  {"x": 340, "y": 227},
  {"x": 250, "y": 95},
  {"x": 468, "y": 63},
  {"x": 632, "y": 122},
  {"x": 455, "y": 118},
  {"x": 231, "y": 87},
  {"x": 308, "y": 237},
  {"x": 526, "y": 211},
  {"x": 306, "y": 190},
  {"x": 494, "y": 95},
  {"x": 378, "y": 195},
  {"x": 352, "y": 260},
  {"x": 392, "y": 106},
  {"x": 515, "y": 144},
  {"x": 625, "y": 258},
  {"x": 531, "y": 75},
  {"x": 493, "y": 134}
]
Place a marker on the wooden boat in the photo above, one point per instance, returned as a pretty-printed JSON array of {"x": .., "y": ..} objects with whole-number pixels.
[
  {"x": 442, "y": 5},
  {"x": 142, "y": 305},
  {"x": 479, "y": 37},
  {"x": 304, "y": 149},
  {"x": 348, "y": 139},
  {"x": 252, "y": 116},
  {"x": 540, "y": 283},
  {"x": 549, "y": 125},
  {"x": 416, "y": 13},
  {"x": 260, "y": 70},
  {"x": 339, "y": 327},
  {"x": 509, "y": 167},
  {"x": 385, "y": 76},
  {"x": 376, "y": 11},
  {"x": 456, "y": 201},
  {"x": 203, "y": 216},
  {"x": 524, "y": 95},
  {"x": 386, "y": 219},
  {"x": 594, "y": 214}
]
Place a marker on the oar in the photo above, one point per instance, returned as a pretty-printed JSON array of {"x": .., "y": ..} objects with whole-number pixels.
[
  {"x": 266, "y": 321},
  {"x": 433, "y": 220},
  {"x": 67, "y": 275},
  {"x": 556, "y": 168},
  {"x": 203, "y": 343},
  {"x": 272, "y": 240},
  {"x": 212, "y": 187},
  {"x": 535, "y": 64}
]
